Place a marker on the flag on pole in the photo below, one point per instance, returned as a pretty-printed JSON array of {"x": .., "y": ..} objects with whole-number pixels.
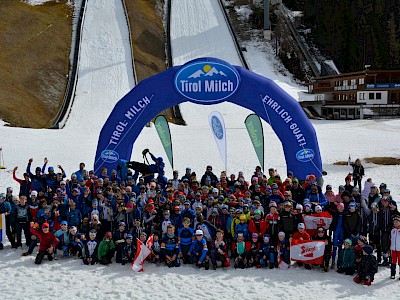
[
  {"x": 218, "y": 129},
  {"x": 312, "y": 222},
  {"x": 308, "y": 252},
  {"x": 256, "y": 133},
  {"x": 164, "y": 134},
  {"x": 141, "y": 254}
]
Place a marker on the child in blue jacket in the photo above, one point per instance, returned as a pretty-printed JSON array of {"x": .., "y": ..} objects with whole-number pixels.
[
  {"x": 185, "y": 237},
  {"x": 268, "y": 252},
  {"x": 198, "y": 250},
  {"x": 170, "y": 248}
]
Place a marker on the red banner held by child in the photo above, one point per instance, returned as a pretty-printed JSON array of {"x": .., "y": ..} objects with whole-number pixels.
[
  {"x": 312, "y": 222},
  {"x": 307, "y": 251}
]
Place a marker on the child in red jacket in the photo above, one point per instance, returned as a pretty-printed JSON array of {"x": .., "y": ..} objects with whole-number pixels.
[{"x": 48, "y": 242}]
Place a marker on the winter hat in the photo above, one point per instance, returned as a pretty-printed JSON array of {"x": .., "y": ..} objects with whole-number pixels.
[
  {"x": 301, "y": 225},
  {"x": 73, "y": 228},
  {"x": 352, "y": 205},
  {"x": 45, "y": 225},
  {"x": 34, "y": 193},
  {"x": 396, "y": 218},
  {"x": 199, "y": 232},
  {"x": 281, "y": 233},
  {"x": 121, "y": 224},
  {"x": 299, "y": 206},
  {"x": 368, "y": 249},
  {"x": 318, "y": 208},
  {"x": 254, "y": 236},
  {"x": 150, "y": 207},
  {"x": 266, "y": 237},
  {"x": 257, "y": 212},
  {"x": 348, "y": 241},
  {"x": 129, "y": 236},
  {"x": 272, "y": 204},
  {"x": 242, "y": 218},
  {"x": 362, "y": 239},
  {"x": 64, "y": 223},
  {"x": 340, "y": 205}
]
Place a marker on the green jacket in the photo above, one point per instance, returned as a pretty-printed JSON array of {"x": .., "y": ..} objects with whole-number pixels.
[
  {"x": 346, "y": 258},
  {"x": 104, "y": 247}
]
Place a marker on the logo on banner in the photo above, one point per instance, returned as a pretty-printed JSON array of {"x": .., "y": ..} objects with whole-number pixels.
[
  {"x": 305, "y": 155},
  {"x": 207, "y": 81},
  {"x": 109, "y": 156},
  {"x": 217, "y": 128},
  {"x": 307, "y": 251}
]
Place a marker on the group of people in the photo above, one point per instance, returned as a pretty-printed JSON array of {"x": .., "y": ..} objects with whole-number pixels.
[{"x": 209, "y": 220}]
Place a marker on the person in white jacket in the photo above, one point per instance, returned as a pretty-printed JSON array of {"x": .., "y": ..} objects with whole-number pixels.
[{"x": 395, "y": 246}]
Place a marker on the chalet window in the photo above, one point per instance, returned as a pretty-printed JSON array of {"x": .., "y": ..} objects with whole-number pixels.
[
  {"x": 360, "y": 80},
  {"x": 378, "y": 96},
  {"x": 371, "y": 96}
]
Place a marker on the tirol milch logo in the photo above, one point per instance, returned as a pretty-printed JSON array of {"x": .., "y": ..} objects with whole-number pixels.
[
  {"x": 207, "y": 81},
  {"x": 217, "y": 127},
  {"x": 109, "y": 156},
  {"x": 305, "y": 155}
]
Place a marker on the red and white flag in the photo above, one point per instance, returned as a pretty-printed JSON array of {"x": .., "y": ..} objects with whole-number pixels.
[
  {"x": 141, "y": 254},
  {"x": 307, "y": 251},
  {"x": 312, "y": 222},
  {"x": 149, "y": 242}
]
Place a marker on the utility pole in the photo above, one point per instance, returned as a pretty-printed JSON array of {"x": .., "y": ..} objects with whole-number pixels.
[{"x": 267, "y": 22}]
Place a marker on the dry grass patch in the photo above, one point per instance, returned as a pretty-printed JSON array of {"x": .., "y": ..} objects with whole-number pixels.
[
  {"x": 35, "y": 43},
  {"x": 340, "y": 163},
  {"x": 383, "y": 160},
  {"x": 375, "y": 160},
  {"x": 148, "y": 42}
]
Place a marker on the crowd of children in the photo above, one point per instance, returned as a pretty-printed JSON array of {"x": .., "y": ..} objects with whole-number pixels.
[{"x": 207, "y": 221}]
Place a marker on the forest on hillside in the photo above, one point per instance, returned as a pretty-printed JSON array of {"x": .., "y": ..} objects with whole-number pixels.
[{"x": 354, "y": 33}]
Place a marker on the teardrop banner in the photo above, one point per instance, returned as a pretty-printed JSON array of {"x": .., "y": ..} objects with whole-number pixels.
[
  {"x": 164, "y": 134},
  {"x": 256, "y": 133},
  {"x": 217, "y": 125}
]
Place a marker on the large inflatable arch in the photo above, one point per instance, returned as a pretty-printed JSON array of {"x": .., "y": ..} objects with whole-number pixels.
[{"x": 209, "y": 81}]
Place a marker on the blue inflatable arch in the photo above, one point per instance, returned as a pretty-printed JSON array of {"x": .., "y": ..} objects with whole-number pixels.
[{"x": 209, "y": 81}]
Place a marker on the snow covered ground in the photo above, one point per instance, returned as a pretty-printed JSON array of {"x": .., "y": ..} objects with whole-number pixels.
[{"x": 104, "y": 77}]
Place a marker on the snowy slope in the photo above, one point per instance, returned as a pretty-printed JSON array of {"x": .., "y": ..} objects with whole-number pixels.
[{"x": 104, "y": 78}]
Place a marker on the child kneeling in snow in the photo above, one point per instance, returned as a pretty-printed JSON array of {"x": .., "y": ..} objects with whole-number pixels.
[
  {"x": 367, "y": 266},
  {"x": 198, "y": 250},
  {"x": 48, "y": 242},
  {"x": 91, "y": 246},
  {"x": 219, "y": 251},
  {"x": 106, "y": 249}
]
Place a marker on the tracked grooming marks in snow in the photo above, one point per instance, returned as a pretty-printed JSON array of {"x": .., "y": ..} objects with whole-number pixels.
[
  {"x": 198, "y": 29},
  {"x": 105, "y": 72}
]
